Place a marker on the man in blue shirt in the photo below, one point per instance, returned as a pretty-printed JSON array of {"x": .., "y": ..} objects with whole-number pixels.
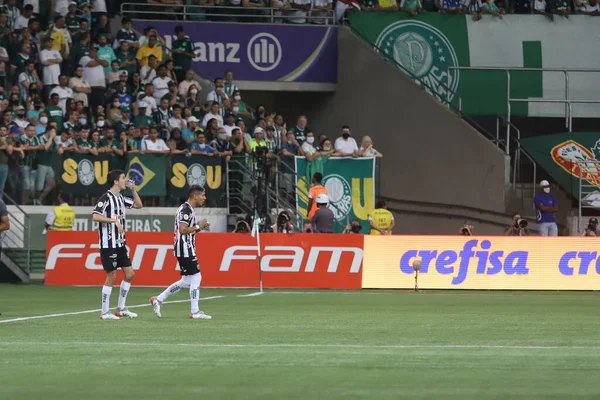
[{"x": 546, "y": 207}]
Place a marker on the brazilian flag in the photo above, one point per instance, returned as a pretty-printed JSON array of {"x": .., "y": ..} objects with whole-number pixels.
[{"x": 148, "y": 171}]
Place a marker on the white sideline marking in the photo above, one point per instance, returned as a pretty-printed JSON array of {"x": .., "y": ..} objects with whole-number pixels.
[
  {"x": 96, "y": 310},
  {"x": 304, "y": 345},
  {"x": 250, "y": 295}
]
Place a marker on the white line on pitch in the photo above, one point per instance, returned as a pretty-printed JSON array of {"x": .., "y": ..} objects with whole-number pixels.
[
  {"x": 250, "y": 294},
  {"x": 305, "y": 345},
  {"x": 96, "y": 310}
]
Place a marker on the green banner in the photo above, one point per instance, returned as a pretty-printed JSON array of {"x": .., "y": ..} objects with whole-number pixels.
[
  {"x": 208, "y": 172},
  {"x": 86, "y": 174},
  {"x": 148, "y": 171},
  {"x": 566, "y": 157},
  {"x": 350, "y": 183},
  {"x": 426, "y": 46}
]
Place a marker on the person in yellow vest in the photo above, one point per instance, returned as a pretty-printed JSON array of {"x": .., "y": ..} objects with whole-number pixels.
[
  {"x": 381, "y": 220},
  {"x": 61, "y": 218},
  {"x": 316, "y": 189}
]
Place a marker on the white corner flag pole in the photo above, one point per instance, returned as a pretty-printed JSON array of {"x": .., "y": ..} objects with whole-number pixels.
[{"x": 256, "y": 232}]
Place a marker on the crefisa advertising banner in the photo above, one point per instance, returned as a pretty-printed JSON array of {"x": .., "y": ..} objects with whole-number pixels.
[
  {"x": 257, "y": 52},
  {"x": 471, "y": 262}
]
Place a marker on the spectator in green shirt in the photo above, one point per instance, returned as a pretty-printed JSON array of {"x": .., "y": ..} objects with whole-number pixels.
[
  {"x": 30, "y": 144},
  {"x": 126, "y": 57},
  {"x": 55, "y": 113},
  {"x": 300, "y": 130},
  {"x": 84, "y": 143},
  {"x": 412, "y": 7},
  {"x": 184, "y": 51},
  {"x": 134, "y": 140},
  {"x": 44, "y": 180},
  {"x": 72, "y": 20},
  {"x": 142, "y": 119},
  {"x": 109, "y": 144}
]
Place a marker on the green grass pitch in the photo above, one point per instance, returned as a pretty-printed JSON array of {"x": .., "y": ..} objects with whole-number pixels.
[{"x": 304, "y": 345}]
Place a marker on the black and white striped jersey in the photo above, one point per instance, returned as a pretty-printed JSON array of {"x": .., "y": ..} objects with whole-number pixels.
[
  {"x": 184, "y": 245},
  {"x": 110, "y": 205}
]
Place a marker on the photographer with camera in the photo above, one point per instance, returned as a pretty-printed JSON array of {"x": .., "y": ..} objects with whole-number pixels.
[
  {"x": 592, "y": 228},
  {"x": 353, "y": 227},
  {"x": 283, "y": 224},
  {"x": 518, "y": 227},
  {"x": 467, "y": 229},
  {"x": 241, "y": 226}
]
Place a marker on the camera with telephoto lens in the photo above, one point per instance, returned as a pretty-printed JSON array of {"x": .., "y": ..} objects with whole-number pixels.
[
  {"x": 260, "y": 152},
  {"x": 355, "y": 228},
  {"x": 521, "y": 223},
  {"x": 465, "y": 232}
]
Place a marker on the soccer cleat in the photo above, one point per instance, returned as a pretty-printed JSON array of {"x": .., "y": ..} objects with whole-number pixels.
[
  {"x": 125, "y": 313},
  {"x": 107, "y": 316},
  {"x": 155, "y": 306},
  {"x": 200, "y": 315}
]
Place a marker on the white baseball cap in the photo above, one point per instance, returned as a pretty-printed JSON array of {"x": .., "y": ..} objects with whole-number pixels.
[
  {"x": 544, "y": 183},
  {"x": 258, "y": 129},
  {"x": 142, "y": 104},
  {"x": 193, "y": 119},
  {"x": 322, "y": 199}
]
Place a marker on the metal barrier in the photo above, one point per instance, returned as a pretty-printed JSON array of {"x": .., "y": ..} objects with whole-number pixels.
[
  {"x": 589, "y": 192},
  {"x": 240, "y": 180},
  {"x": 267, "y": 15},
  {"x": 18, "y": 237},
  {"x": 567, "y": 100}
]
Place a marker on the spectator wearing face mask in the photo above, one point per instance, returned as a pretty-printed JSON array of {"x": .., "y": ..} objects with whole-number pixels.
[
  {"x": 21, "y": 121},
  {"x": 237, "y": 104},
  {"x": 310, "y": 152},
  {"x": 222, "y": 146},
  {"x": 188, "y": 84},
  {"x": 546, "y": 208},
  {"x": 345, "y": 144},
  {"x": 42, "y": 125},
  {"x": 218, "y": 96}
]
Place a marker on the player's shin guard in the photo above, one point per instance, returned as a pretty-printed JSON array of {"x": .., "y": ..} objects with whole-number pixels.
[
  {"x": 106, "y": 291},
  {"x": 123, "y": 295},
  {"x": 174, "y": 288},
  {"x": 195, "y": 291}
]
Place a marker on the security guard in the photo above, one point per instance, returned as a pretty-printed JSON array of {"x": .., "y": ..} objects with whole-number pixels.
[
  {"x": 61, "y": 218},
  {"x": 381, "y": 220}
]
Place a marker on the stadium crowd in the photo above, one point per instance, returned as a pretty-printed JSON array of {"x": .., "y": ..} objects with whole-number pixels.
[{"x": 69, "y": 85}]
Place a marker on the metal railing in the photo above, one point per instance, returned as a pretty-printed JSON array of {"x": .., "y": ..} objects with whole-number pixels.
[
  {"x": 509, "y": 100},
  {"x": 241, "y": 178},
  {"x": 227, "y": 13},
  {"x": 589, "y": 189},
  {"x": 19, "y": 234}
]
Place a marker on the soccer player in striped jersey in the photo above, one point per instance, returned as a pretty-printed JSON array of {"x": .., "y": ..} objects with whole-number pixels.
[
  {"x": 110, "y": 214},
  {"x": 184, "y": 248}
]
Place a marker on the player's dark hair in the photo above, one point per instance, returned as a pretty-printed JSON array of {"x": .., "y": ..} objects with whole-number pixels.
[
  {"x": 318, "y": 177},
  {"x": 380, "y": 204},
  {"x": 195, "y": 189},
  {"x": 114, "y": 175}
]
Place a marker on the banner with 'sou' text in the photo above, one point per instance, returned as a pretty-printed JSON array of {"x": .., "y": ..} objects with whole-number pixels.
[
  {"x": 204, "y": 171},
  {"x": 226, "y": 260},
  {"x": 468, "y": 262},
  {"x": 258, "y": 52},
  {"x": 86, "y": 174}
]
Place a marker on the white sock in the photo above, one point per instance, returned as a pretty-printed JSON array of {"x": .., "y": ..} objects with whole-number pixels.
[
  {"x": 106, "y": 291},
  {"x": 195, "y": 291},
  {"x": 123, "y": 294},
  {"x": 174, "y": 288}
]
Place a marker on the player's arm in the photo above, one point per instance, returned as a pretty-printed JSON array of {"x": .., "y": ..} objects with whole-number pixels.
[
  {"x": 137, "y": 200},
  {"x": 392, "y": 225},
  {"x": 185, "y": 228}
]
